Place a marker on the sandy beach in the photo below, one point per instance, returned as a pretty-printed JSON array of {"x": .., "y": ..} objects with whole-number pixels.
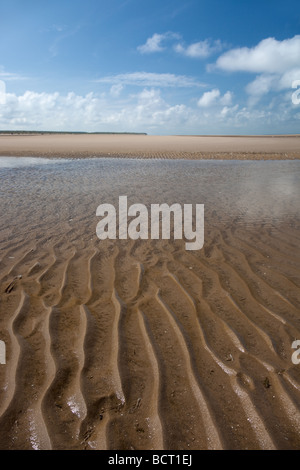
[
  {"x": 141, "y": 344},
  {"x": 151, "y": 146}
]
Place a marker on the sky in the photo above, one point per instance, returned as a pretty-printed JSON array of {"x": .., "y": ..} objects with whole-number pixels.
[{"x": 156, "y": 66}]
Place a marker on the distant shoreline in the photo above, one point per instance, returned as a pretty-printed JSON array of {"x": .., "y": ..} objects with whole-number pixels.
[
  {"x": 35, "y": 132},
  {"x": 68, "y": 133},
  {"x": 134, "y": 145}
]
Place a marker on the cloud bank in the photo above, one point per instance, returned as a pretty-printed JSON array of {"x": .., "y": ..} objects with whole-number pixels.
[{"x": 145, "y": 111}]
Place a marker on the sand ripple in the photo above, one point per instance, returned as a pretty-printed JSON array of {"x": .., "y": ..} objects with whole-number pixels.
[
  {"x": 114, "y": 347},
  {"x": 144, "y": 345}
]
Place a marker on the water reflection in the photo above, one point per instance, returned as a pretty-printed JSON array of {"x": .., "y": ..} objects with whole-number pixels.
[{"x": 58, "y": 190}]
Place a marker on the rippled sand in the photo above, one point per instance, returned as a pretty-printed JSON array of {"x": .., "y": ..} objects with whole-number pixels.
[{"x": 124, "y": 344}]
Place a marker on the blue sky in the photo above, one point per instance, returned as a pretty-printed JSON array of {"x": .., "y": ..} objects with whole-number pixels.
[{"x": 161, "y": 67}]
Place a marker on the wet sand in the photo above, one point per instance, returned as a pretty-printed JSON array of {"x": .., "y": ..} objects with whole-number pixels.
[
  {"x": 147, "y": 146},
  {"x": 141, "y": 344}
]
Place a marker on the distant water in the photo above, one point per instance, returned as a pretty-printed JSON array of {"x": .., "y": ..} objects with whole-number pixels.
[
  {"x": 18, "y": 162},
  {"x": 55, "y": 190}
]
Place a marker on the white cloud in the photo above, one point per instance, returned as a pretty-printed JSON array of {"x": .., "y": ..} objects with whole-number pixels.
[
  {"x": 116, "y": 90},
  {"x": 208, "y": 98},
  {"x": 145, "y": 111},
  {"x": 288, "y": 77},
  {"x": 47, "y": 110},
  {"x": 151, "y": 79},
  {"x": 261, "y": 85},
  {"x": 227, "y": 98},
  {"x": 53, "y": 111},
  {"x": 154, "y": 43},
  {"x": 152, "y": 109},
  {"x": 213, "y": 97},
  {"x": 229, "y": 111},
  {"x": 268, "y": 56},
  {"x": 265, "y": 83},
  {"x": 201, "y": 49},
  {"x": 277, "y": 64}
]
